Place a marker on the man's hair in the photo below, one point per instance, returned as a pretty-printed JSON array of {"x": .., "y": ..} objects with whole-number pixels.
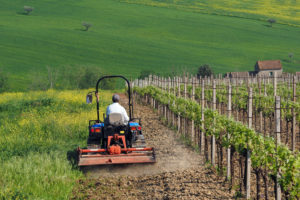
[{"x": 115, "y": 98}]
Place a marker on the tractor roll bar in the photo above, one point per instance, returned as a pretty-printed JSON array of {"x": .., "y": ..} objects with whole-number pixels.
[{"x": 128, "y": 91}]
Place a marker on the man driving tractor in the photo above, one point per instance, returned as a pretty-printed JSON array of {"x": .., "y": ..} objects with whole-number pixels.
[
  {"x": 118, "y": 139},
  {"x": 115, "y": 107}
]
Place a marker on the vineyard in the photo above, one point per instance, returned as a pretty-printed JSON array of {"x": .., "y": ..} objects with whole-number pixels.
[
  {"x": 248, "y": 128},
  {"x": 40, "y": 132}
]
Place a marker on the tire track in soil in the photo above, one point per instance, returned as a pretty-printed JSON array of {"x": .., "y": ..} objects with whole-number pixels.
[{"x": 179, "y": 172}]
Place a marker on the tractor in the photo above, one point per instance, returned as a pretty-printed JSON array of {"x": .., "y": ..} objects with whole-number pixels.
[{"x": 112, "y": 141}]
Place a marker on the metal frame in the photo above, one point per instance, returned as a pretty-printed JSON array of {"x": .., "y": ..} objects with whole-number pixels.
[{"x": 128, "y": 91}]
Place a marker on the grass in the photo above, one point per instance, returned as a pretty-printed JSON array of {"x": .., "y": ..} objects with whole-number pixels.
[
  {"x": 38, "y": 176},
  {"x": 126, "y": 38},
  {"x": 39, "y": 133},
  {"x": 286, "y": 12}
]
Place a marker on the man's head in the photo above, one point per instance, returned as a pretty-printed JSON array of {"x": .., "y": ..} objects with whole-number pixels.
[{"x": 115, "y": 98}]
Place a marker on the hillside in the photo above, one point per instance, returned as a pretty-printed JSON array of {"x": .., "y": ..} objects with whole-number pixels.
[
  {"x": 285, "y": 12},
  {"x": 126, "y": 38}
]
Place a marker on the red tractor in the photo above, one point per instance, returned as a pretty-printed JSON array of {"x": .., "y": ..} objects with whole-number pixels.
[{"x": 111, "y": 141}]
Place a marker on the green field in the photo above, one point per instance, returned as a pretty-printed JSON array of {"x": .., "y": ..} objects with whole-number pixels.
[
  {"x": 39, "y": 134},
  {"x": 285, "y": 12},
  {"x": 126, "y": 38}
]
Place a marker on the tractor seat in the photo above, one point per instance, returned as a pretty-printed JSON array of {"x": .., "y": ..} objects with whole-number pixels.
[{"x": 116, "y": 119}]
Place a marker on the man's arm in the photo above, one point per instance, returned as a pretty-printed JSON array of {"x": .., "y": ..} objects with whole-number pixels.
[{"x": 126, "y": 118}]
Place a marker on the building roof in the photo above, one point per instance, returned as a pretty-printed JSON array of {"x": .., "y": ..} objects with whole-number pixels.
[{"x": 269, "y": 65}]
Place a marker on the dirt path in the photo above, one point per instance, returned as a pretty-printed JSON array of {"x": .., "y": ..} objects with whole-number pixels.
[{"x": 178, "y": 174}]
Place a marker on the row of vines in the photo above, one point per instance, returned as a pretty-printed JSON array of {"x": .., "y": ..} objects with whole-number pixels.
[{"x": 273, "y": 164}]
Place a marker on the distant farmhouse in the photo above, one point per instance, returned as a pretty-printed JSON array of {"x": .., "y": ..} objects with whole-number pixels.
[{"x": 266, "y": 68}]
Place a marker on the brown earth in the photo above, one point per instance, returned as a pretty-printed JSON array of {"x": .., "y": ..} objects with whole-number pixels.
[{"x": 179, "y": 172}]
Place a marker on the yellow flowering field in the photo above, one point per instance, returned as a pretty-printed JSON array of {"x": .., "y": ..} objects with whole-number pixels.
[
  {"x": 39, "y": 134},
  {"x": 287, "y": 11}
]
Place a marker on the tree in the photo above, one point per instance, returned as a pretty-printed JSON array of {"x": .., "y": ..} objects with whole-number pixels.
[
  {"x": 78, "y": 77},
  {"x": 86, "y": 25},
  {"x": 291, "y": 56},
  {"x": 145, "y": 73},
  {"x": 52, "y": 76},
  {"x": 271, "y": 21},
  {"x": 204, "y": 70},
  {"x": 3, "y": 82},
  {"x": 108, "y": 84},
  {"x": 28, "y": 9},
  {"x": 38, "y": 81},
  {"x": 88, "y": 77}
]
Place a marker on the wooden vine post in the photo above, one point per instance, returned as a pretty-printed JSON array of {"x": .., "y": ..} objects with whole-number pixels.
[
  {"x": 131, "y": 83},
  {"x": 228, "y": 149},
  {"x": 154, "y": 84},
  {"x": 157, "y": 85},
  {"x": 157, "y": 102},
  {"x": 161, "y": 107},
  {"x": 277, "y": 132},
  {"x": 294, "y": 116},
  {"x": 265, "y": 87},
  {"x": 213, "y": 138},
  {"x": 168, "y": 105},
  {"x": 174, "y": 92},
  {"x": 192, "y": 122},
  {"x": 150, "y": 84},
  {"x": 178, "y": 121},
  {"x": 247, "y": 80},
  {"x": 150, "y": 80},
  {"x": 275, "y": 84},
  {"x": 260, "y": 111},
  {"x": 202, "y": 117},
  {"x": 162, "y": 80},
  {"x": 146, "y": 84},
  {"x": 166, "y": 90},
  {"x": 248, "y": 159},
  {"x": 142, "y": 83},
  {"x": 237, "y": 93},
  {"x": 185, "y": 97}
]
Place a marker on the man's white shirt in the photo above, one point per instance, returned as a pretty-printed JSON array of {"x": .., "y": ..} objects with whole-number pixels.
[{"x": 117, "y": 108}]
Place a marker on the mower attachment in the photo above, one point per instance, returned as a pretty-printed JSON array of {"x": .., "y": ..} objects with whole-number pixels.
[{"x": 89, "y": 157}]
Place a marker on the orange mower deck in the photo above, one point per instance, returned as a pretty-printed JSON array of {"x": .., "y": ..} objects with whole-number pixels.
[{"x": 89, "y": 157}]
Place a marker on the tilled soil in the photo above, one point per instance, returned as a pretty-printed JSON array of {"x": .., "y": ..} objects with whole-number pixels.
[{"x": 179, "y": 172}]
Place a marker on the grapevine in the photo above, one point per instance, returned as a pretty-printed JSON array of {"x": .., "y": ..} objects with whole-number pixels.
[{"x": 264, "y": 152}]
